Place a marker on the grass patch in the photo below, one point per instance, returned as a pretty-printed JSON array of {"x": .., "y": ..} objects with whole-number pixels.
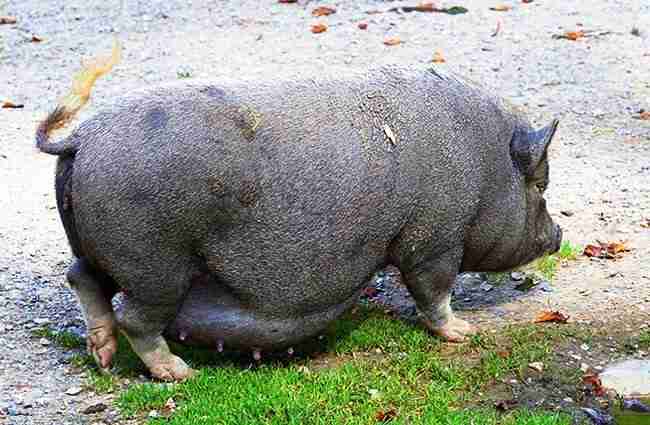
[
  {"x": 384, "y": 368},
  {"x": 65, "y": 339},
  {"x": 548, "y": 264},
  {"x": 644, "y": 339}
]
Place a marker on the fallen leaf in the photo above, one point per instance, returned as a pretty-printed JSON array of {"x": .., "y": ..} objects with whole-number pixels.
[
  {"x": 7, "y": 20},
  {"x": 592, "y": 250},
  {"x": 36, "y": 39},
  {"x": 392, "y": 41},
  {"x": 571, "y": 35},
  {"x": 427, "y": 6},
  {"x": 505, "y": 405},
  {"x": 594, "y": 383},
  {"x": 617, "y": 247},
  {"x": 551, "y": 316},
  {"x": 169, "y": 408},
  {"x": 386, "y": 416},
  {"x": 370, "y": 291},
  {"x": 438, "y": 58},
  {"x": 323, "y": 11},
  {"x": 362, "y": 25},
  {"x": 319, "y": 28},
  {"x": 7, "y": 104},
  {"x": 609, "y": 250},
  {"x": 503, "y": 354},
  {"x": 454, "y": 10},
  {"x": 497, "y": 30},
  {"x": 501, "y": 8},
  {"x": 646, "y": 224}
]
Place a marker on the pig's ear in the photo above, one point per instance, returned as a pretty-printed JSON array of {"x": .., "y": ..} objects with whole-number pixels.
[{"x": 528, "y": 148}]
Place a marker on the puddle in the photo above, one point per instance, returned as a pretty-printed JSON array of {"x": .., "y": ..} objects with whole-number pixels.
[{"x": 628, "y": 378}]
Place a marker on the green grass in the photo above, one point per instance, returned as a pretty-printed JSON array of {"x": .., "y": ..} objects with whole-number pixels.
[
  {"x": 373, "y": 365},
  {"x": 548, "y": 264},
  {"x": 183, "y": 75},
  {"x": 644, "y": 339},
  {"x": 64, "y": 338}
]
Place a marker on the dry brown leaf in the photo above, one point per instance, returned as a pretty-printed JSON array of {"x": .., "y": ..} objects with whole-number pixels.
[
  {"x": 592, "y": 250},
  {"x": 611, "y": 250},
  {"x": 319, "y": 28},
  {"x": 323, "y": 11},
  {"x": 386, "y": 416},
  {"x": 572, "y": 35},
  {"x": 7, "y": 20},
  {"x": 617, "y": 247},
  {"x": 362, "y": 25},
  {"x": 392, "y": 41},
  {"x": 169, "y": 408},
  {"x": 551, "y": 316},
  {"x": 438, "y": 58},
  {"x": 503, "y": 354},
  {"x": 497, "y": 30},
  {"x": 505, "y": 405},
  {"x": 426, "y": 6},
  {"x": 8, "y": 104},
  {"x": 36, "y": 39},
  {"x": 501, "y": 8},
  {"x": 593, "y": 381},
  {"x": 646, "y": 224}
]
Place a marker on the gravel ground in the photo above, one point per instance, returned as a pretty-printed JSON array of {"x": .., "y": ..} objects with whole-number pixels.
[{"x": 600, "y": 161}]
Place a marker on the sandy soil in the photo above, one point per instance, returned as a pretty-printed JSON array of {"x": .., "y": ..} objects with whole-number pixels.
[{"x": 600, "y": 161}]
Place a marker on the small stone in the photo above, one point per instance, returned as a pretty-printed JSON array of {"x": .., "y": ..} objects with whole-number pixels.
[
  {"x": 486, "y": 287},
  {"x": 94, "y": 408},
  {"x": 584, "y": 367},
  {"x": 72, "y": 391},
  {"x": 517, "y": 276},
  {"x": 567, "y": 400},
  {"x": 584, "y": 347},
  {"x": 42, "y": 321},
  {"x": 44, "y": 341},
  {"x": 536, "y": 366},
  {"x": 513, "y": 381},
  {"x": 153, "y": 414}
]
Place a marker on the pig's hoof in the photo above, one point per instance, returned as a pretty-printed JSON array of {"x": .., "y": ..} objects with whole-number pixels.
[
  {"x": 454, "y": 330},
  {"x": 174, "y": 369},
  {"x": 102, "y": 344}
]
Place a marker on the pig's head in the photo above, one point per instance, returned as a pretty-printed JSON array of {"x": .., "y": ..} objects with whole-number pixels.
[{"x": 519, "y": 228}]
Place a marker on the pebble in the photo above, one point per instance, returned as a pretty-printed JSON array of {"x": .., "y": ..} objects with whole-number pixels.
[
  {"x": 94, "y": 408},
  {"x": 584, "y": 347},
  {"x": 536, "y": 366},
  {"x": 72, "y": 391},
  {"x": 567, "y": 400},
  {"x": 44, "y": 341},
  {"x": 584, "y": 367},
  {"x": 153, "y": 414}
]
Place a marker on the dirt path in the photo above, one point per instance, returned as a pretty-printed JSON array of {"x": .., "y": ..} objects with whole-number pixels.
[{"x": 600, "y": 164}]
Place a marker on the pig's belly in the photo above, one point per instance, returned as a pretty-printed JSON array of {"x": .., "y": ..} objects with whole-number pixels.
[{"x": 212, "y": 317}]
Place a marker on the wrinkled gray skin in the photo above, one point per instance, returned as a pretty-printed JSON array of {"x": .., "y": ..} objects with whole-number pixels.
[{"x": 249, "y": 214}]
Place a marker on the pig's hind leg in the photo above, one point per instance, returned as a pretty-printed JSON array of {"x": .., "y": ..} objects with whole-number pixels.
[
  {"x": 151, "y": 302},
  {"x": 94, "y": 291}
]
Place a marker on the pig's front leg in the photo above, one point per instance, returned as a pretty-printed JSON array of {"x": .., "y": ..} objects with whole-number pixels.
[{"x": 431, "y": 282}]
